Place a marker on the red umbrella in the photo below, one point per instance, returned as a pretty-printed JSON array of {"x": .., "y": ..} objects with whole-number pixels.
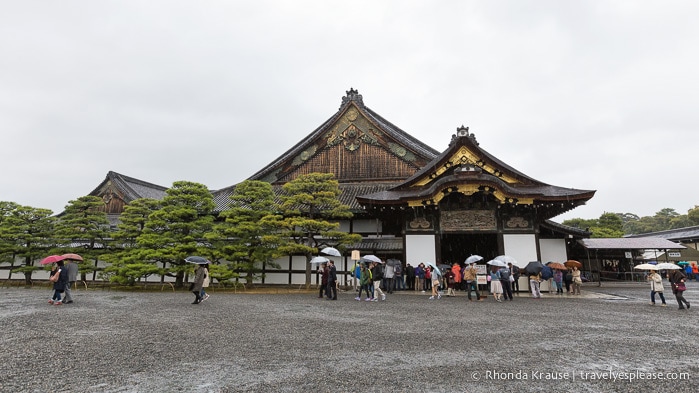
[
  {"x": 556, "y": 265},
  {"x": 74, "y": 257},
  {"x": 572, "y": 263},
  {"x": 51, "y": 259}
]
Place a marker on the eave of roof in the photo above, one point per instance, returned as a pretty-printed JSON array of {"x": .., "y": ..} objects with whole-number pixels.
[
  {"x": 687, "y": 234},
  {"x": 630, "y": 244},
  {"x": 132, "y": 188}
]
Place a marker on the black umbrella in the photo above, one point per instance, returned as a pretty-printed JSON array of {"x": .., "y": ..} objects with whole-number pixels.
[{"x": 533, "y": 268}]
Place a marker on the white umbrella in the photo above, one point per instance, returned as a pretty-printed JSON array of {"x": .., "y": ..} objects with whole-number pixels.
[
  {"x": 646, "y": 266},
  {"x": 372, "y": 258},
  {"x": 667, "y": 266},
  {"x": 497, "y": 262},
  {"x": 434, "y": 267},
  {"x": 507, "y": 259},
  {"x": 331, "y": 251},
  {"x": 473, "y": 258},
  {"x": 320, "y": 259}
]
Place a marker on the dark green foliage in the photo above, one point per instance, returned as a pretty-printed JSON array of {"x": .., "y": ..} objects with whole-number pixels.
[{"x": 308, "y": 203}]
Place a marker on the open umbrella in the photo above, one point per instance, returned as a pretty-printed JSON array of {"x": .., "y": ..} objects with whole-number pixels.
[
  {"x": 434, "y": 266},
  {"x": 533, "y": 268},
  {"x": 506, "y": 258},
  {"x": 72, "y": 257},
  {"x": 646, "y": 266},
  {"x": 473, "y": 258},
  {"x": 372, "y": 258},
  {"x": 197, "y": 260},
  {"x": 497, "y": 262},
  {"x": 683, "y": 263},
  {"x": 392, "y": 262},
  {"x": 572, "y": 263},
  {"x": 557, "y": 265},
  {"x": 331, "y": 251},
  {"x": 667, "y": 266},
  {"x": 320, "y": 259},
  {"x": 51, "y": 259}
]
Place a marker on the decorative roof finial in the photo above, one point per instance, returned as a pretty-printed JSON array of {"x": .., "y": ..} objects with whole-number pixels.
[
  {"x": 463, "y": 132},
  {"x": 352, "y": 95}
]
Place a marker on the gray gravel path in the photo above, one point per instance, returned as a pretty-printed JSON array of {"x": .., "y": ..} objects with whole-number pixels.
[{"x": 114, "y": 341}]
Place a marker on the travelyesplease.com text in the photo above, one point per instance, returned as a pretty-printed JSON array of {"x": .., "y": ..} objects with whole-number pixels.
[{"x": 606, "y": 375}]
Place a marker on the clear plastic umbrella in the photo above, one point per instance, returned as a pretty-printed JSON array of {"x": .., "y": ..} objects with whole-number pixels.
[
  {"x": 473, "y": 258},
  {"x": 331, "y": 251}
]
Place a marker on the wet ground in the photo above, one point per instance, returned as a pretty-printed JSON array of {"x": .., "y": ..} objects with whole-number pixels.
[{"x": 608, "y": 340}]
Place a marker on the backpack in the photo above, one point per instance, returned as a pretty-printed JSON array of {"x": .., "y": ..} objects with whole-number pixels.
[
  {"x": 504, "y": 273},
  {"x": 546, "y": 273}
]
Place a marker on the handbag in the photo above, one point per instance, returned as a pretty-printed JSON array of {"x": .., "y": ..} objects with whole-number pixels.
[
  {"x": 54, "y": 278},
  {"x": 512, "y": 279},
  {"x": 681, "y": 286}
]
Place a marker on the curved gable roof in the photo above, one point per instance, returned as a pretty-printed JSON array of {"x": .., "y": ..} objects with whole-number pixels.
[
  {"x": 354, "y": 137},
  {"x": 465, "y": 167}
]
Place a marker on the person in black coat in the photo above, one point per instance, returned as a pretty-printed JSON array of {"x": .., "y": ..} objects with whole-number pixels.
[
  {"x": 59, "y": 277},
  {"x": 677, "y": 279},
  {"x": 331, "y": 289}
]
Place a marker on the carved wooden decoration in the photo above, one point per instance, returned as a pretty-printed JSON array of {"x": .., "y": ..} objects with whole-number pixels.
[
  {"x": 518, "y": 223},
  {"x": 467, "y": 220}
]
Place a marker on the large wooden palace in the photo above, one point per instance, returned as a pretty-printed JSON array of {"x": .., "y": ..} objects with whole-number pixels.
[{"x": 410, "y": 202}]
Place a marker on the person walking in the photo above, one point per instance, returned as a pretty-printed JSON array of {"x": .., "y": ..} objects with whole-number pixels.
[
  {"x": 568, "y": 280},
  {"x": 59, "y": 278},
  {"x": 449, "y": 275},
  {"x": 656, "y": 286},
  {"x": 364, "y": 281},
  {"x": 534, "y": 280},
  {"x": 331, "y": 290},
  {"x": 495, "y": 284},
  {"x": 505, "y": 275},
  {"x": 420, "y": 278},
  {"x": 323, "y": 280},
  {"x": 377, "y": 276},
  {"x": 428, "y": 279},
  {"x": 398, "y": 271},
  {"x": 558, "y": 281},
  {"x": 356, "y": 271},
  {"x": 515, "y": 275},
  {"x": 198, "y": 284},
  {"x": 677, "y": 280},
  {"x": 471, "y": 279},
  {"x": 458, "y": 276},
  {"x": 410, "y": 277},
  {"x": 577, "y": 281},
  {"x": 435, "y": 276},
  {"x": 72, "y": 269},
  {"x": 202, "y": 294},
  {"x": 388, "y": 278}
]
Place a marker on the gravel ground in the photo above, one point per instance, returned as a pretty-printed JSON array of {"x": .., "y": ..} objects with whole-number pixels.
[{"x": 123, "y": 341}]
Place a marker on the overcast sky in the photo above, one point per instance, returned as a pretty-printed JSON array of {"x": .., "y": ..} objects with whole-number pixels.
[{"x": 600, "y": 95}]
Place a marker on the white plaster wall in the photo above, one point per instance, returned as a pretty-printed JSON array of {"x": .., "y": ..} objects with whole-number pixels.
[{"x": 420, "y": 248}]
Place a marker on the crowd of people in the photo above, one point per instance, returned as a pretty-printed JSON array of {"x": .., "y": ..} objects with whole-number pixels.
[{"x": 375, "y": 279}]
